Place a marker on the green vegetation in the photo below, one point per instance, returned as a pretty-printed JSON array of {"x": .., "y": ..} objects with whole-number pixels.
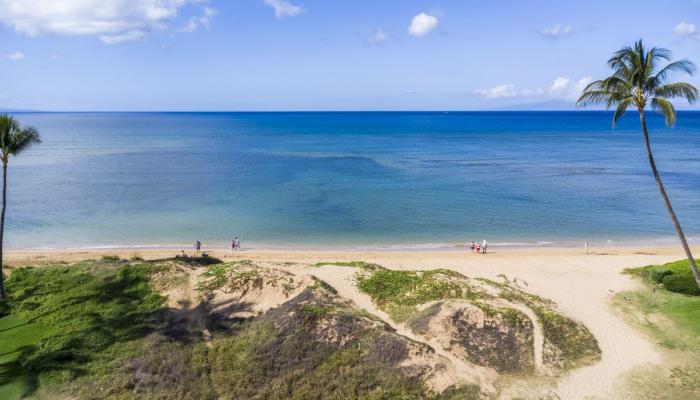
[
  {"x": 71, "y": 313},
  {"x": 399, "y": 292},
  {"x": 16, "y": 336},
  {"x": 675, "y": 276},
  {"x": 355, "y": 264},
  {"x": 572, "y": 345},
  {"x": 218, "y": 275},
  {"x": 242, "y": 276},
  {"x": 112, "y": 259},
  {"x": 672, "y": 320}
]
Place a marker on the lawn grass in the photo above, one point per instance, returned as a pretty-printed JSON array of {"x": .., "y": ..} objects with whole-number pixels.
[
  {"x": 672, "y": 320},
  {"x": 17, "y": 335},
  {"x": 88, "y": 307}
]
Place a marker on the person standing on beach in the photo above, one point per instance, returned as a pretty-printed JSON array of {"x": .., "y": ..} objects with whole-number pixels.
[
  {"x": 483, "y": 247},
  {"x": 233, "y": 246},
  {"x": 237, "y": 243},
  {"x": 197, "y": 246}
]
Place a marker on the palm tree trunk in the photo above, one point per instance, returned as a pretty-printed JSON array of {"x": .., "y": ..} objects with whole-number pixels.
[
  {"x": 667, "y": 202},
  {"x": 3, "y": 295}
]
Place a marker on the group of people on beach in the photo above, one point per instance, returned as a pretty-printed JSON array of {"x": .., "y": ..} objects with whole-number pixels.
[
  {"x": 235, "y": 245},
  {"x": 475, "y": 247}
]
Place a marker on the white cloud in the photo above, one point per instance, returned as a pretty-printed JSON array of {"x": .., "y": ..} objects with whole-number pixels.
[
  {"x": 113, "y": 21},
  {"x": 376, "y": 38},
  {"x": 16, "y": 56},
  {"x": 561, "y": 83},
  {"x": 565, "y": 88},
  {"x": 422, "y": 24},
  {"x": 284, "y": 8},
  {"x": 507, "y": 91},
  {"x": 201, "y": 20},
  {"x": 557, "y": 30},
  {"x": 581, "y": 84},
  {"x": 686, "y": 29}
]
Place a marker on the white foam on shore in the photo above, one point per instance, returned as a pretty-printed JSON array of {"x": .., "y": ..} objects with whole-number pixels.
[{"x": 389, "y": 247}]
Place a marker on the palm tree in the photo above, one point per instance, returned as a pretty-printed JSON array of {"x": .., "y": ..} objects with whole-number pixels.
[
  {"x": 14, "y": 139},
  {"x": 639, "y": 80}
]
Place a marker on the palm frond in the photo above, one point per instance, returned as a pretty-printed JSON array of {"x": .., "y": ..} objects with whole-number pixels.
[
  {"x": 14, "y": 138},
  {"x": 24, "y": 139},
  {"x": 681, "y": 90},
  {"x": 677, "y": 66},
  {"x": 665, "y": 108},
  {"x": 623, "y": 105}
]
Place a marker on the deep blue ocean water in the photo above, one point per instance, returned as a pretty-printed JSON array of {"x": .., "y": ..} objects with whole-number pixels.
[{"x": 348, "y": 179}]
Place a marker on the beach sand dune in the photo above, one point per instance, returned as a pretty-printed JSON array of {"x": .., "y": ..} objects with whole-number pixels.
[{"x": 582, "y": 285}]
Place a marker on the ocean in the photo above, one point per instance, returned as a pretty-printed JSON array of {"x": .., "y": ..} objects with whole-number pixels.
[{"x": 352, "y": 180}]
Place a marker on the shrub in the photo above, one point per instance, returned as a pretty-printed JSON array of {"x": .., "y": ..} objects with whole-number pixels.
[
  {"x": 658, "y": 272},
  {"x": 675, "y": 276},
  {"x": 681, "y": 283}
]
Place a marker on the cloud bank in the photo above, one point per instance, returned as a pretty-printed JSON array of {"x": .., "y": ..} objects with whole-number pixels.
[
  {"x": 562, "y": 88},
  {"x": 113, "y": 21},
  {"x": 507, "y": 90}
]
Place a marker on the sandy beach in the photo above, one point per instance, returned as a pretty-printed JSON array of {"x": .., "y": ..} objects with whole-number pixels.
[{"x": 582, "y": 285}]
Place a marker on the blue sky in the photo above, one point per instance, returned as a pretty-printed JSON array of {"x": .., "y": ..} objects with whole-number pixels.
[{"x": 321, "y": 54}]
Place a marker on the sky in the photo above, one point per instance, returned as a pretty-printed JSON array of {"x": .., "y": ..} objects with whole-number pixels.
[{"x": 246, "y": 55}]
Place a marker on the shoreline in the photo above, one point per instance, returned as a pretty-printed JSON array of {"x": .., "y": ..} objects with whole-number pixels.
[
  {"x": 655, "y": 253},
  {"x": 388, "y": 247}
]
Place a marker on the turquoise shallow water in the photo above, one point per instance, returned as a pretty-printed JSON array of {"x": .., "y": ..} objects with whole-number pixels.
[{"x": 348, "y": 179}]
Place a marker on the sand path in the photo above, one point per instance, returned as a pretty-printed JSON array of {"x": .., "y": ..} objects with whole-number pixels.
[{"x": 537, "y": 333}]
